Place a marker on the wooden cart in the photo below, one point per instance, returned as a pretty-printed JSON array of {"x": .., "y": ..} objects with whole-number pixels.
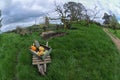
[{"x": 41, "y": 61}]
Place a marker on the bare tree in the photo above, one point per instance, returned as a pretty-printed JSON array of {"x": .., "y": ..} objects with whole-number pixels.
[
  {"x": 86, "y": 17},
  {"x": 0, "y": 19},
  {"x": 46, "y": 21},
  {"x": 91, "y": 14},
  {"x": 62, "y": 13},
  {"x": 95, "y": 12},
  {"x": 60, "y": 10}
]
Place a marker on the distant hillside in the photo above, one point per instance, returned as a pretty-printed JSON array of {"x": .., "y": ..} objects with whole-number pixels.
[{"x": 86, "y": 53}]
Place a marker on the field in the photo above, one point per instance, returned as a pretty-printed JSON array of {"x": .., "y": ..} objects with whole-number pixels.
[{"x": 86, "y": 53}]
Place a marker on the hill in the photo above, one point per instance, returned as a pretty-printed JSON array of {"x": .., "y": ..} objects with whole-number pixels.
[{"x": 86, "y": 53}]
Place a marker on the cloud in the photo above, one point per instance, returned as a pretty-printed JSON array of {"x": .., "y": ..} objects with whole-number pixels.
[{"x": 16, "y": 12}]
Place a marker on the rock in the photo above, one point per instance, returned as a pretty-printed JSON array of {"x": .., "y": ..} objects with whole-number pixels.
[
  {"x": 51, "y": 34},
  {"x": 46, "y": 33}
]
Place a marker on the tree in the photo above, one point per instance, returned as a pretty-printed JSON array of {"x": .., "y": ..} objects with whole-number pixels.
[
  {"x": 89, "y": 15},
  {"x": 110, "y": 20},
  {"x": 86, "y": 17},
  {"x": 95, "y": 11},
  {"x": 62, "y": 13},
  {"x": 46, "y": 21},
  {"x": 0, "y": 19},
  {"x": 73, "y": 10},
  {"x": 113, "y": 22},
  {"x": 106, "y": 18},
  {"x": 70, "y": 11},
  {"x": 60, "y": 10}
]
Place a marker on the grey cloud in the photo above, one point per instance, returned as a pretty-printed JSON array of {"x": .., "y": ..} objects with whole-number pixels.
[{"x": 15, "y": 12}]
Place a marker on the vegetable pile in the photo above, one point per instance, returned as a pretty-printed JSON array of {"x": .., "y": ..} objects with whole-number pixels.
[{"x": 38, "y": 51}]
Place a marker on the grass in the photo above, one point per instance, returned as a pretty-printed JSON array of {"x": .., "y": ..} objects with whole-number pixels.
[
  {"x": 117, "y": 34},
  {"x": 84, "y": 54}
]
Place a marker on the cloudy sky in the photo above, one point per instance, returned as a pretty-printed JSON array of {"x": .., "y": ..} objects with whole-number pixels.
[{"x": 27, "y": 12}]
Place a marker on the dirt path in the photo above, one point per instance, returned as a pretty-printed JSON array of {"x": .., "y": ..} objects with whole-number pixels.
[{"x": 113, "y": 37}]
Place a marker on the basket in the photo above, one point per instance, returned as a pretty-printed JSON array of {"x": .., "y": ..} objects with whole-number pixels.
[{"x": 47, "y": 49}]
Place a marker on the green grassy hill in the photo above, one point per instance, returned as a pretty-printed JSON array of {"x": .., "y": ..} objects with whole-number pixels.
[{"x": 84, "y": 54}]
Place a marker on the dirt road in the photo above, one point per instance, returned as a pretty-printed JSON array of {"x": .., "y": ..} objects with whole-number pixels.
[{"x": 113, "y": 37}]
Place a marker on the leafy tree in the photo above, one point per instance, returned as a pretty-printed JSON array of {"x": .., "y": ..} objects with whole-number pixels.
[
  {"x": 110, "y": 20},
  {"x": 70, "y": 11},
  {"x": 106, "y": 18},
  {"x": 73, "y": 10},
  {"x": 113, "y": 22}
]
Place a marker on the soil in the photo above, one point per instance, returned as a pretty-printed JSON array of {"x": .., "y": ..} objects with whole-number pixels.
[{"x": 53, "y": 35}]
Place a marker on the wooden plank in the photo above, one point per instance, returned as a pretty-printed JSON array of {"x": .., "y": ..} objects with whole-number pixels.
[
  {"x": 41, "y": 60},
  {"x": 34, "y": 63},
  {"x": 40, "y": 68},
  {"x": 44, "y": 67},
  {"x": 36, "y": 60},
  {"x": 41, "y": 64}
]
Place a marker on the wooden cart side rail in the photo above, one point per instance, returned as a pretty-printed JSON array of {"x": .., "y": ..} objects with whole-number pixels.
[
  {"x": 36, "y": 63},
  {"x": 39, "y": 58}
]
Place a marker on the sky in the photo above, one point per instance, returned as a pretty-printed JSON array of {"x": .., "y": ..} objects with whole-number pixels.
[{"x": 27, "y": 12}]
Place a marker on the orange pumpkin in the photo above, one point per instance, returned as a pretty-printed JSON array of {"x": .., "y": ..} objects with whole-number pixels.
[{"x": 33, "y": 48}]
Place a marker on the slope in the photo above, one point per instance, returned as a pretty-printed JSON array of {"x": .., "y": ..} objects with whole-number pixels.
[{"x": 86, "y": 53}]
